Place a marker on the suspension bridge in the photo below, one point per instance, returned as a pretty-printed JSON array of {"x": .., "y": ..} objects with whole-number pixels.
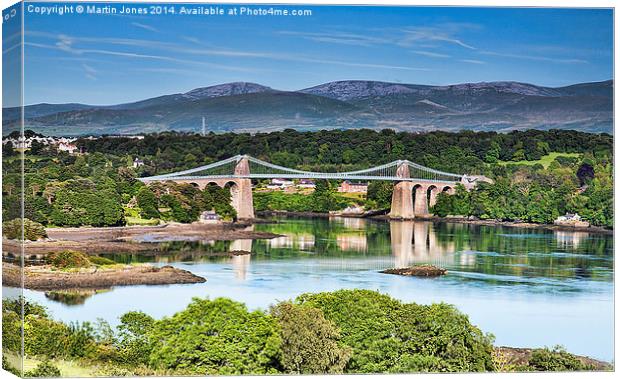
[{"x": 415, "y": 186}]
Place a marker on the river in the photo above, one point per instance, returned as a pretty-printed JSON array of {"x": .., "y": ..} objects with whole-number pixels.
[{"x": 528, "y": 287}]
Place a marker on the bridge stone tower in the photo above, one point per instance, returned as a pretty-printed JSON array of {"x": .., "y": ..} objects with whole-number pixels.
[
  {"x": 241, "y": 196},
  {"x": 402, "y": 200}
]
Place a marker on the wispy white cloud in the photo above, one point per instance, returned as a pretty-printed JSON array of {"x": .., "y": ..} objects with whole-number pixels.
[
  {"x": 430, "y": 54},
  {"x": 415, "y": 35},
  {"x": 356, "y": 64},
  {"x": 145, "y": 27},
  {"x": 535, "y": 57},
  {"x": 192, "y": 40},
  {"x": 67, "y": 44},
  {"x": 405, "y": 37},
  {"x": 125, "y": 54},
  {"x": 340, "y": 38},
  {"x": 89, "y": 72},
  {"x": 472, "y": 61}
]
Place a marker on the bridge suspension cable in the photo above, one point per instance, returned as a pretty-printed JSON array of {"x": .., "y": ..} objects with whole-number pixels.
[{"x": 259, "y": 169}]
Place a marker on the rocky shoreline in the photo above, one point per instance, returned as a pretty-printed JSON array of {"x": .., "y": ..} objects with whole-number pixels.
[
  {"x": 44, "y": 278},
  {"x": 130, "y": 239}
]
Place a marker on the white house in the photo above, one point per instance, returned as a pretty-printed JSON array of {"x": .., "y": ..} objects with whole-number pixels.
[
  {"x": 67, "y": 146},
  {"x": 306, "y": 183},
  {"x": 571, "y": 219},
  {"x": 137, "y": 162}
]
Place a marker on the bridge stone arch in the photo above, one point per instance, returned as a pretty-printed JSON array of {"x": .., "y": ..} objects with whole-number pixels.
[
  {"x": 450, "y": 190},
  {"x": 431, "y": 195}
]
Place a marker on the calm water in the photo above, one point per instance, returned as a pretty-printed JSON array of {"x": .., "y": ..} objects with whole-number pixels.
[{"x": 530, "y": 288}]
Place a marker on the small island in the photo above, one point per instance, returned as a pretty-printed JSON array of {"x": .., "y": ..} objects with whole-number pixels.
[
  {"x": 418, "y": 270},
  {"x": 69, "y": 270}
]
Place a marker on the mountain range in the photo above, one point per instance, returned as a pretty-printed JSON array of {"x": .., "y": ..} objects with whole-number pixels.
[{"x": 251, "y": 107}]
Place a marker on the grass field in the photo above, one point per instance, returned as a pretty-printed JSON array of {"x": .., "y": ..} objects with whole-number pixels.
[
  {"x": 140, "y": 221},
  {"x": 545, "y": 161},
  {"x": 67, "y": 368}
]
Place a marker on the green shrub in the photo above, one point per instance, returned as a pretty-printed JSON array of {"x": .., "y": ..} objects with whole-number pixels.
[
  {"x": 216, "y": 337},
  {"x": 42, "y": 335},
  {"x": 100, "y": 261},
  {"x": 556, "y": 359},
  {"x": 16, "y": 305},
  {"x": 12, "y": 321},
  {"x": 133, "y": 345},
  {"x": 44, "y": 369},
  {"x": 68, "y": 259},
  {"x": 32, "y": 230},
  {"x": 310, "y": 343},
  {"x": 389, "y": 336},
  {"x": 11, "y": 331}
]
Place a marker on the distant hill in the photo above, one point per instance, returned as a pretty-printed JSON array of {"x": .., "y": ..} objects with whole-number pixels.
[{"x": 250, "y": 107}]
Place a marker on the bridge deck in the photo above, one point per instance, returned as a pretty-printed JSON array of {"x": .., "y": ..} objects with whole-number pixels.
[{"x": 335, "y": 176}]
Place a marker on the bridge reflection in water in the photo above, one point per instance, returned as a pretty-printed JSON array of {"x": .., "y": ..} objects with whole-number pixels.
[
  {"x": 416, "y": 242},
  {"x": 410, "y": 243}
]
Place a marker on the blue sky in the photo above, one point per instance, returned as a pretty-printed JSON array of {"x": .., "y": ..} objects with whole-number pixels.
[{"x": 109, "y": 59}]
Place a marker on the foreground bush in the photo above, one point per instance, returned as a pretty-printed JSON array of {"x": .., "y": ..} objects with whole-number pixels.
[
  {"x": 68, "y": 259},
  {"x": 43, "y": 337},
  {"x": 347, "y": 331},
  {"x": 44, "y": 369},
  {"x": 556, "y": 359},
  {"x": 310, "y": 343},
  {"x": 216, "y": 337},
  {"x": 133, "y": 342},
  {"x": 32, "y": 230},
  {"x": 389, "y": 336}
]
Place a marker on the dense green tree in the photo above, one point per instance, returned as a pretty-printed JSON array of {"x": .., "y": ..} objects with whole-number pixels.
[
  {"x": 389, "y": 336},
  {"x": 216, "y": 337},
  {"x": 32, "y": 230},
  {"x": 380, "y": 193},
  {"x": 147, "y": 202},
  {"x": 310, "y": 343},
  {"x": 134, "y": 346},
  {"x": 324, "y": 197},
  {"x": 443, "y": 205},
  {"x": 79, "y": 202},
  {"x": 218, "y": 199}
]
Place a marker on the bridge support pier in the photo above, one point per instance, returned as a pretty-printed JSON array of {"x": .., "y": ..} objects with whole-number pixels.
[
  {"x": 402, "y": 201},
  {"x": 241, "y": 199}
]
